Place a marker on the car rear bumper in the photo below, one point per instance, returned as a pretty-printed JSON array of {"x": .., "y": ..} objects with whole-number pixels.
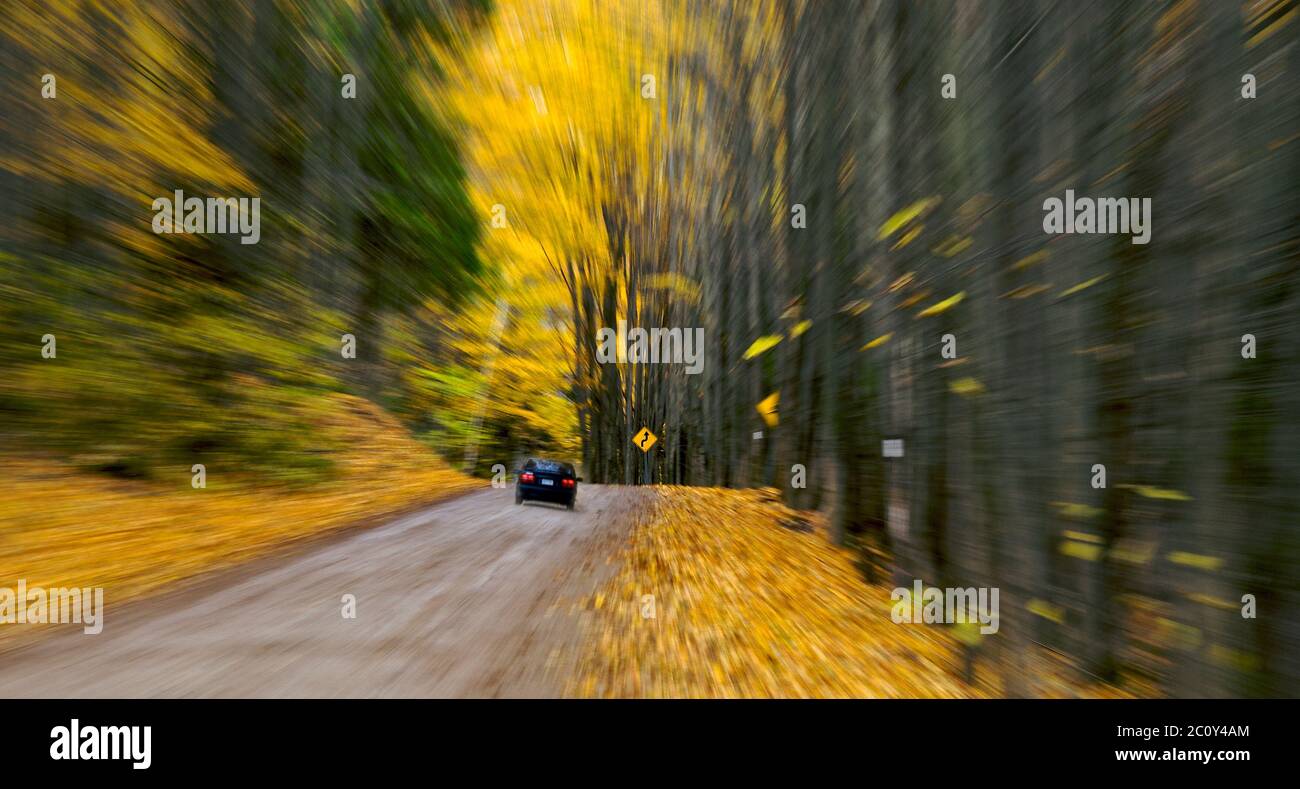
[{"x": 557, "y": 493}]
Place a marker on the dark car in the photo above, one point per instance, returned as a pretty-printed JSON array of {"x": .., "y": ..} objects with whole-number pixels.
[{"x": 547, "y": 480}]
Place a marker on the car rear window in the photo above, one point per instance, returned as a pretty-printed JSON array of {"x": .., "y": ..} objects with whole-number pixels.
[{"x": 551, "y": 466}]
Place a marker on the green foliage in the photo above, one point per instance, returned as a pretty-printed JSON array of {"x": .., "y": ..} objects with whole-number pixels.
[{"x": 419, "y": 218}]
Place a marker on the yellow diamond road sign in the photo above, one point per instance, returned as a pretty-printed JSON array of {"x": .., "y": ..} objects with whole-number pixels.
[
  {"x": 644, "y": 439},
  {"x": 767, "y": 409}
]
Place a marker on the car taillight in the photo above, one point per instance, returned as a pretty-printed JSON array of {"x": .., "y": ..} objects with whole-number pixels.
[
  {"x": 527, "y": 476},
  {"x": 568, "y": 483}
]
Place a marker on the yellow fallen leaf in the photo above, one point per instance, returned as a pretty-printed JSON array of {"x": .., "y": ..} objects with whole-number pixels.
[
  {"x": 1152, "y": 492},
  {"x": 1082, "y": 536},
  {"x": 881, "y": 340},
  {"x": 1215, "y": 602},
  {"x": 1071, "y": 509},
  {"x": 799, "y": 328},
  {"x": 1025, "y": 291},
  {"x": 915, "y": 298},
  {"x": 1030, "y": 260},
  {"x": 1047, "y": 610},
  {"x": 908, "y": 237},
  {"x": 1199, "y": 561},
  {"x": 1082, "y": 286},
  {"x": 901, "y": 281},
  {"x": 904, "y": 216},
  {"x": 762, "y": 344},
  {"x": 966, "y": 387},
  {"x": 1081, "y": 550},
  {"x": 943, "y": 306},
  {"x": 952, "y": 246}
]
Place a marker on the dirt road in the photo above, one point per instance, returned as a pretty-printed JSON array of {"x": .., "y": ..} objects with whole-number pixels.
[{"x": 471, "y": 597}]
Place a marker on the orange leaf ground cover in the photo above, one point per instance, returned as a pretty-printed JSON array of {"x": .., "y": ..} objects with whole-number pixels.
[
  {"x": 744, "y": 607},
  {"x": 67, "y": 528}
]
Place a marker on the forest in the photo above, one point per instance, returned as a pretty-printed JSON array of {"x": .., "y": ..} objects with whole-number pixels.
[
  {"x": 1113, "y": 438},
  {"x": 844, "y": 202}
]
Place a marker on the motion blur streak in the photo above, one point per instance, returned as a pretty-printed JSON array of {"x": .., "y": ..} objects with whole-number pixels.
[{"x": 1096, "y": 411}]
